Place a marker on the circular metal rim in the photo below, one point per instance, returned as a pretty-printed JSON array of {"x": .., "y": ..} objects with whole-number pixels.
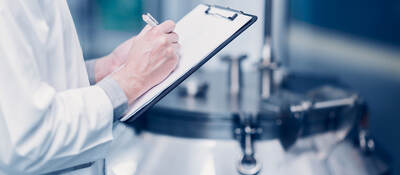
[{"x": 255, "y": 170}]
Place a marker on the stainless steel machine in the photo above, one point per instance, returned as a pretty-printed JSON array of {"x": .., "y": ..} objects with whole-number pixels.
[{"x": 314, "y": 129}]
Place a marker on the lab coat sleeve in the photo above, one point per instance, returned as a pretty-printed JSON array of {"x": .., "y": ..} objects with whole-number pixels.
[
  {"x": 46, "y": 131},
  {"x": 90, "y": 64},
  {"x": 42, "y": 130},
  {"x": 118, "y": 98}
]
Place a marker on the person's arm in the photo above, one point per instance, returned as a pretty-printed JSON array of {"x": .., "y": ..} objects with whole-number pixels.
[
  {"x": 153, "y": 56},
  {"x": 98, "y": 70},
  {"x": 101, "y": 67},
  {"x": 42, "y": 130},
  {"x": 111, "y": 87},
  {"x": 145, "y": 69},
  {"x": 90, "y": 65}
]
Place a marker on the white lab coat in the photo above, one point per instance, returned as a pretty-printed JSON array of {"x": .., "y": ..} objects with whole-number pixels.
[{"x": 50, "y": 118}]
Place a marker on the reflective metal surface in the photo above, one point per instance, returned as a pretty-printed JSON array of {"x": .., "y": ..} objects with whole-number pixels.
[
  {"x": 154, "y": 154},
  {"x": 307, "y": 133}
]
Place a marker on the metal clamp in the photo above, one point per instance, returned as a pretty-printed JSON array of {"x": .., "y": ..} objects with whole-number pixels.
[
  {"x": 235, "y": 73},
  {"x": 294, "y": 116},
  {"x": 307, "y": 105},
  {"x": 246, "y": 133},
  {"x": 230, "y": 17}
]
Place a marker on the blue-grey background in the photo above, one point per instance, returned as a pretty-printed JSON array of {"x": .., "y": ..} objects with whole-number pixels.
[{"x": 357, "y": 41}]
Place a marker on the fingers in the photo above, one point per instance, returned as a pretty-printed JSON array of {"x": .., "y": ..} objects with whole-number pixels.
[
  {"x": 170, "y": 57},
  {"x": 173, "y": 56},
  {"x": 172, "y": 37},
  {"x": 172, "y": 53},
  {"x": 165, "y": 30},
  {"x": 176, "y": 47},
  {"x": 173, "y": 50},
  {"x": 166, "y": 27},
  {"x": 146, "y": 29},
  {"x": 168, "y": 39}
]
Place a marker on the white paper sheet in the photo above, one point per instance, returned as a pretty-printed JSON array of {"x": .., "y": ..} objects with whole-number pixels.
[{"x": 200, "y": 34}]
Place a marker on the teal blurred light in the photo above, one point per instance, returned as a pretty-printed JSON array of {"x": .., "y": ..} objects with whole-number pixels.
[{"x": 123, "y": 15}]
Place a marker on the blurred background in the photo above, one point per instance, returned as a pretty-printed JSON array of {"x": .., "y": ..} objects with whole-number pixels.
[
  {"x": 104, "y": 24},
  {"x": 356, "y": 42}
]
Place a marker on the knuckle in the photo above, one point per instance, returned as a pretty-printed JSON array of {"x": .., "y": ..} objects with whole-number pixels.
[
  {"x": 154, "y": 31},
  {"x": 170, "y": 22},
  {"x": 174, "y": 36},
  {"x": 163, "y": 40}
]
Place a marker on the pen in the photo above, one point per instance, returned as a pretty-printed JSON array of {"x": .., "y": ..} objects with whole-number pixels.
[{"x": 149, "y": 20}]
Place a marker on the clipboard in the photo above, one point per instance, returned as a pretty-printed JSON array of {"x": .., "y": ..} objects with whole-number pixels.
[{"x": 209, "y": 28}]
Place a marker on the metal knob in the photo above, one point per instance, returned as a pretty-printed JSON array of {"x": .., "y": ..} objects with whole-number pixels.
[
  {"x": 267, "y": 66},
  {"x": 248, "y": 165},
  {"x": 234, "y": 73},
  {"x": 247, "y": 132},
  {"x": 193, "y": 88}
]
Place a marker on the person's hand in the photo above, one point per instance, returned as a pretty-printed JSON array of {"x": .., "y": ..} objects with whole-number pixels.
[
  {"x": 108, "y": 64},
  {"x": 152, "y": 57},
  {"x": 120, "y": 55}
]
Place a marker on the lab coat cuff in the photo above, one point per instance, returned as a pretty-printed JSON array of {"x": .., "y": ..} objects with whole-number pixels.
[
  {"x": 90, "y": 70},
  {"x": 117, "y": 96}
]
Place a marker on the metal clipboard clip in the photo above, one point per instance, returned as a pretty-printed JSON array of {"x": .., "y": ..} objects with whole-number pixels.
[{"x": 210, "y": 11}]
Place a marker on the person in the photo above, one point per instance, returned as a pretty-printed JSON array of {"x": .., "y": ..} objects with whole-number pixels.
[{"x": 57, "y": 112}]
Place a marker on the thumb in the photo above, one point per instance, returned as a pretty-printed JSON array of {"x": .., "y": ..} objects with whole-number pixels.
[{"x": 145, "y": 29}]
